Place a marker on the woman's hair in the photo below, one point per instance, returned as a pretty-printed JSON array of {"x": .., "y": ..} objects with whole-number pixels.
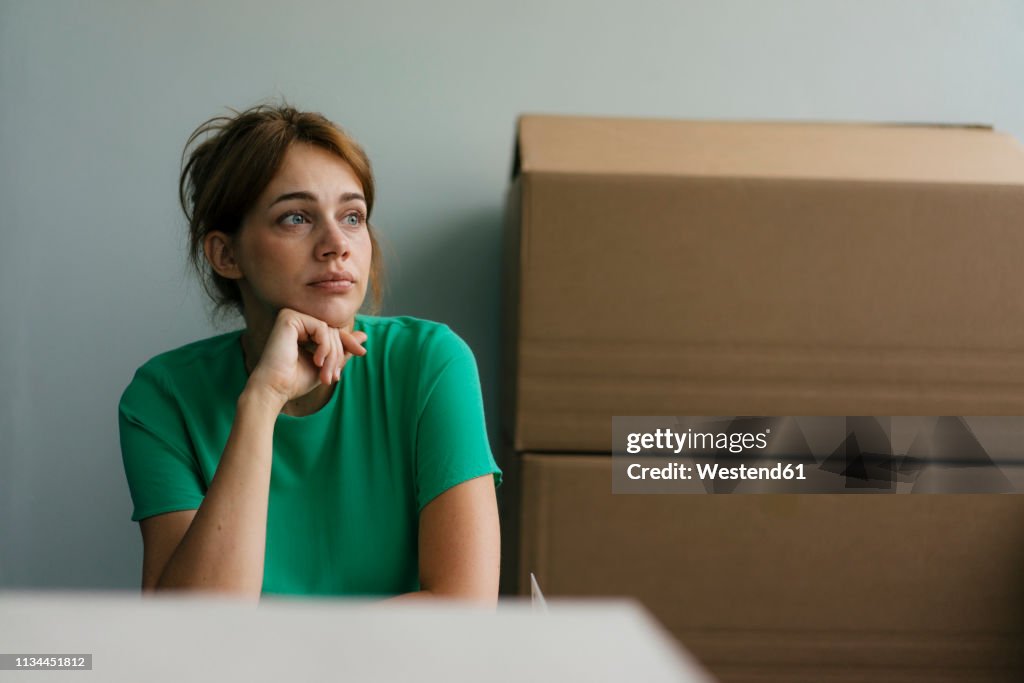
[{"x": 227, "y": 172}]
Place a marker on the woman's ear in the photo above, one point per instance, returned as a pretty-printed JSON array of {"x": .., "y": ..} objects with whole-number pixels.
[{"x": 219, "y": 248}]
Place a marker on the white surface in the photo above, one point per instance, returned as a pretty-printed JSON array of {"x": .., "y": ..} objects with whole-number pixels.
[{"x": 202, "y": 639}]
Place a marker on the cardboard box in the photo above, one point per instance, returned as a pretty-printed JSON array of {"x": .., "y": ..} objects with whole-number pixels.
[
  {"x": 787, "y": 587},
  {"x": 658, "y": 267}
]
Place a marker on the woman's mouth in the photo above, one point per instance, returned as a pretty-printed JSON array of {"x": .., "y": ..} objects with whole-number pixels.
[
  {"x": 335, "y": 283},
  {"x": 333, "y": 286}
]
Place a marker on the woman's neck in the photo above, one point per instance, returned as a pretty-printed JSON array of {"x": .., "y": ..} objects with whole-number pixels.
[{"x": 309, "y": 403}]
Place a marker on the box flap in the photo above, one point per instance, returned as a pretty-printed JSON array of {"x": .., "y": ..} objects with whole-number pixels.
[{"x": 830, "y": 151}]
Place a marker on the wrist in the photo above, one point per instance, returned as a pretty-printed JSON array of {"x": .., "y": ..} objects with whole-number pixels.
[{"x": 262, "y": 397}]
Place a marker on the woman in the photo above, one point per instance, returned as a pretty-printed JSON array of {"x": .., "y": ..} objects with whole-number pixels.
[{"x": 317, "y": 451}]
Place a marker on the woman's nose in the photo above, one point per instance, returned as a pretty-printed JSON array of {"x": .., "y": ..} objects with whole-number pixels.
[{"x": 333, "y": 241}]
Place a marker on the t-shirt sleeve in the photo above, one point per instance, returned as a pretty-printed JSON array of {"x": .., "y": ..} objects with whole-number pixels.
[
  {"x": 451, "y": 444},
  {"x": 163, "y": 474}
]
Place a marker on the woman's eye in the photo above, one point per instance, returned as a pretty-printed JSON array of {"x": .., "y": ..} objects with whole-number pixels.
[
  {"x": 358, "y": 219},
  {"x": 293, "y": 219}
]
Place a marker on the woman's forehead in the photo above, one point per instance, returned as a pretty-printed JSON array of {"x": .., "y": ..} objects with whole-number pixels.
[{"x": 307, "y": 168}]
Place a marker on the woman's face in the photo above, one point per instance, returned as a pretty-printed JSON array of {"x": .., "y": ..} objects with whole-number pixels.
[{"x": 305, "y": 244}]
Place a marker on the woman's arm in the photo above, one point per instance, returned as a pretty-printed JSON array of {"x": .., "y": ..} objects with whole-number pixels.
[
  {"x": 222, "y": 546},
  {"x": 459, "y": 545}
]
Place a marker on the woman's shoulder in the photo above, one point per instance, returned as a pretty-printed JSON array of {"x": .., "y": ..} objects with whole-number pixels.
[
  {"x": 410, "y": 336},
  {"x": 187, "y": 369},
  {"x": 397, "y": 324},
  {"x": 404, "y": 328},
  {"x": 213, "y": 349}
]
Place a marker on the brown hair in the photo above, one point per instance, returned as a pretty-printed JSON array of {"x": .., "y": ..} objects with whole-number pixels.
[{"x": 227, "y": 172}]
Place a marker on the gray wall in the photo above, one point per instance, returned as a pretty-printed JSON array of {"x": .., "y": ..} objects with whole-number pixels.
[{"x": 97, "y": 99}]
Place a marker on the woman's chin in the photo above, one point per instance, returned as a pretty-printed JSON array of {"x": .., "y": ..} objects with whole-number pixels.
[{"x": 334, "y": 313}]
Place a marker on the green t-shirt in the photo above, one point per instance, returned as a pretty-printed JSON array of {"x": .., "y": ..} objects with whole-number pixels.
[{"x": 404, "y": 424}]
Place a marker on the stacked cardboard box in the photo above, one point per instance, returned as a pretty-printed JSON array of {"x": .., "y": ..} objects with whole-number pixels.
[{"x": 658, "y": 267}]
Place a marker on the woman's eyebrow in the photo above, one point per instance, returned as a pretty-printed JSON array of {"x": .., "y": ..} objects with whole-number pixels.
[{"x": 346, "y": 197}]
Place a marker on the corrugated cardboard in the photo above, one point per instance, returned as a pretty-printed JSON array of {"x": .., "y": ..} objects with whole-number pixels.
[
  {"x": 662, "y": 267},
  {"x": 791, "y": 588}
]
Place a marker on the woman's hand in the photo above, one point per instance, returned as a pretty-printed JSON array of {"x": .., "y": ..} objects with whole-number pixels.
[{"x": 303, "y": 352}]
